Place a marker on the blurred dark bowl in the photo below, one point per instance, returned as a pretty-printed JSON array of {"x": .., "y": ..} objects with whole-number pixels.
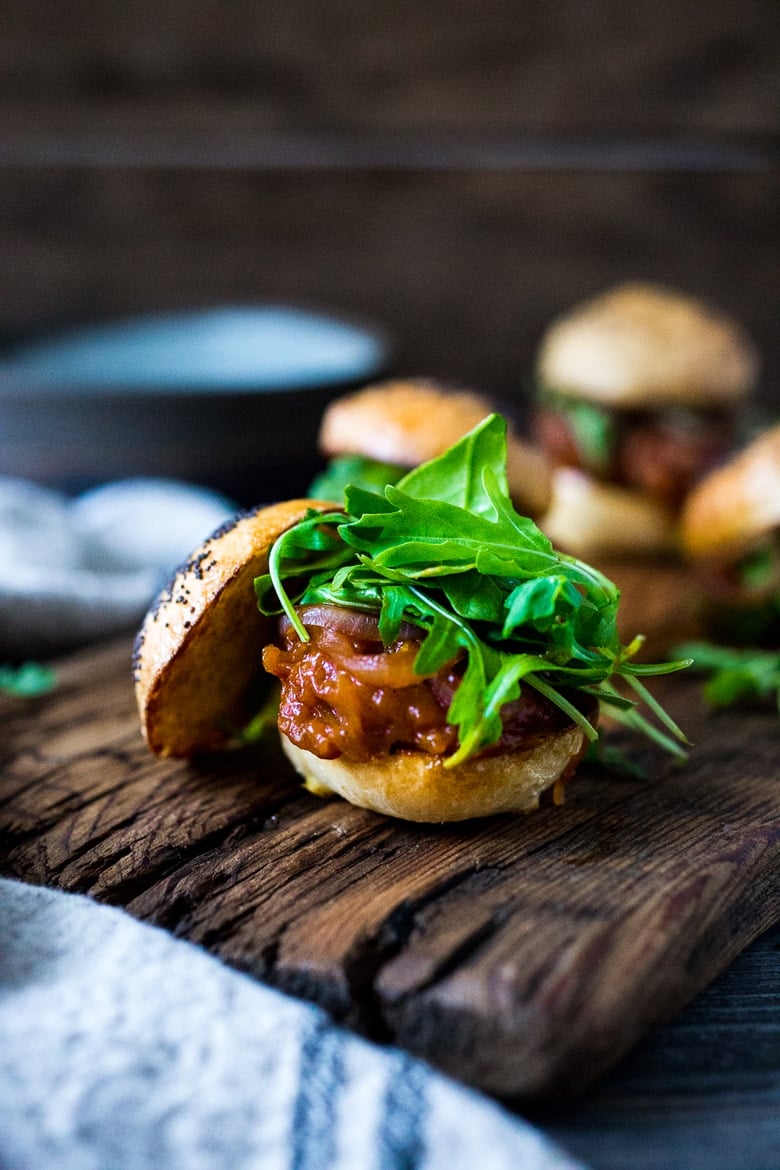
[{"x": 230, "y": 398}]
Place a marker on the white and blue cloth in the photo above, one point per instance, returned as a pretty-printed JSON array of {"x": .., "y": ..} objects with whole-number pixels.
[
  {"x": 74, "y": 569},
  {"x": 124, "y": 1048}
]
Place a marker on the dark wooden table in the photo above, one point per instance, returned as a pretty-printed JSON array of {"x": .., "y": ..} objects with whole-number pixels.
[
  {"x": 702, "y": 1090},
  {"x": 535, "y": 951}
]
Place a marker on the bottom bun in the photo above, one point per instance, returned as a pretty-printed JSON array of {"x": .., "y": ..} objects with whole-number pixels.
[
  {"x": 590, "y": 519},
  {"x": 417, "y": 787}
]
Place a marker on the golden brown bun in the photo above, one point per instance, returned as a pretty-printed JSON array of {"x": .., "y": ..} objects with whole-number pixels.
[
  {"x": 417, "y": 787},
  {"x": 594, "y": 520},
  {"x": 641, "y": 346},
  {"x": 737, "y": 505},
  {"x": 199, "y": 646},
  {"x": 409, "y": 422}
]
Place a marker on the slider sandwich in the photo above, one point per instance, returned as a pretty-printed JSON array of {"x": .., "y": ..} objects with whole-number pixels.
[
  {"x": 730, "y": 530},
  {"x": 375, "y": 435},
  {"x": 639, "y": 391},
  {"x": 437, "y": 659}
]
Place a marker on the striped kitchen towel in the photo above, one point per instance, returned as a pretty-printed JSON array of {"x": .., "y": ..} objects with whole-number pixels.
[
  {"x": 124, "y": 1048},
  {"x": 73, "y": 570}
]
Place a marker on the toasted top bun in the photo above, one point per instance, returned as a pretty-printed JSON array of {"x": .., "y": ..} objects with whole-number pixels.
[
  {"x": 409, "y": 422},
  {"x": 199, "y": 646},
  {"x": 736, "y": 506},
  {"x": 594, "y": 520},
  {"x": 417, "y": 787},
  {"x": 638, "y": 346}
]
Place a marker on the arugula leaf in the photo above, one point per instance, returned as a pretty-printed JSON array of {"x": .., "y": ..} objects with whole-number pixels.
[
  {"x": 458, "y": 475},
  {"x": 312, "y": 542},
  {"x": 445, "y": 550},
  {"x": 758, "y": 568},
  {"x": 736, "y": 676},
  {"x": 344, "y": 470},
  {"x": 593, "y": 427},
  {"x": 264, "y": 719},
  {"x": 28, "y": 680}
]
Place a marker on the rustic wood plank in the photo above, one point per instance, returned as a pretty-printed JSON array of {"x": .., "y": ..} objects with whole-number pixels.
[
  {"x": 463, "y": 270},
  {"x": 581, "y": 959},
  {"x": 701, "y": 1090},
  {"x": 524, "y": 955},
  {"x": 655, "y": 65},
  {"x": 150, "y": 135}
]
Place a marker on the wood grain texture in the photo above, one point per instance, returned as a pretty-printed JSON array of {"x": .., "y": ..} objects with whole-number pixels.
[
  {"x": 399, "y": 64},
  {"x": 456, "y": 174},
  {"x": 700, "y": 1090},
  {"x": 523, "y": 955},
  {"x": 464, "y": 271}
]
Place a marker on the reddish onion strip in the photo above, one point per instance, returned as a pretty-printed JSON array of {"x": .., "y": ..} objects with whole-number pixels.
[
  {"x": 391, "y": 668},
  {"x": 341, "y": 631},
  {"x": 354, "y": 622}
]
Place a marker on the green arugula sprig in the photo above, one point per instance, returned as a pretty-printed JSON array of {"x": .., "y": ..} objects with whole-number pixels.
[
  {"x": 736, "y": 676},
  {"x": 445, "y": 550},
  {"x": 344, "y": 470},
  {"x": 595, "y": 428},
  {"x": 27, "y": 681}
]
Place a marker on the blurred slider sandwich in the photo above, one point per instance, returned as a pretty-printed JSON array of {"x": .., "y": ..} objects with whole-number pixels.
[
  {"x": 639, "y": 395},
  {"x": 375, "y": 435},
  {"x": 639, "y": 392},
  {"x": 730, "y": 531}
]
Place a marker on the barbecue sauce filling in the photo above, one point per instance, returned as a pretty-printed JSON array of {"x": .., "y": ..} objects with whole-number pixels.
[{"x": 345, "y": 694}]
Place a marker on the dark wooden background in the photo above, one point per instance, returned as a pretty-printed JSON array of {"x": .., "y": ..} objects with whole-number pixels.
[{"x": 456, "y": 172}]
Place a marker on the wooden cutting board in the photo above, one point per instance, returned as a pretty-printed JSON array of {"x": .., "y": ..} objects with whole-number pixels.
[{"x": 523, "y": 955}]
